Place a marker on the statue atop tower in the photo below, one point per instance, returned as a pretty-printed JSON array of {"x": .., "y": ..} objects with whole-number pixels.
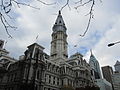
[{"x": 59, "y": 39}]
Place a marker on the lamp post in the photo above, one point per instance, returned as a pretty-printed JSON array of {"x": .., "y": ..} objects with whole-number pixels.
[{"x": 111, "y": 44}]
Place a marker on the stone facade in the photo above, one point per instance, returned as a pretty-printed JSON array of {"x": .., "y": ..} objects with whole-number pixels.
[
  {"x": 35, "y": 70},
  {"x": 116, "y": 81},
  {"x": 116, "y": 76},
  {"x": 117, "y": 66}
]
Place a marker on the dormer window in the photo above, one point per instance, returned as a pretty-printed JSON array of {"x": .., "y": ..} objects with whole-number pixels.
[{"x": 59, "y": 21}]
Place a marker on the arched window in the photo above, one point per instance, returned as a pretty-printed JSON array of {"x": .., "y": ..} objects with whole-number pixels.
[{"x": 76, "y": 74}]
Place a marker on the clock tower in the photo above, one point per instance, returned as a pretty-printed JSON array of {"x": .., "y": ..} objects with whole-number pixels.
[{"x": 59, "y": 45}]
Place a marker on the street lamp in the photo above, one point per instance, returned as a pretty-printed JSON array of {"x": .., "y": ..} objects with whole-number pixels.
[{"x": 111, "y": 44}]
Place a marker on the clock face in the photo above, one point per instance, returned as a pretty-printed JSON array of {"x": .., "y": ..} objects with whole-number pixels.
[{"x": 1, "y": 44}]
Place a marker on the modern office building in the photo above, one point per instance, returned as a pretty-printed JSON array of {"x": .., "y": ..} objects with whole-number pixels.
[
  {"x": 95, "y": 66},
  {"x": 107, "y": 73},
  {"x": 96, "y": 73}
]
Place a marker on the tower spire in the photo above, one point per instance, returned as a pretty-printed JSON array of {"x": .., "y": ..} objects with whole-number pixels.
[
  {"x": 59, "y": 24},
  {"x": 92, "y": 56}
]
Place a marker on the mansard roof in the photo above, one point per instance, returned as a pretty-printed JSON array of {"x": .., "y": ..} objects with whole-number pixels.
[{"x": 77, "y": 54}]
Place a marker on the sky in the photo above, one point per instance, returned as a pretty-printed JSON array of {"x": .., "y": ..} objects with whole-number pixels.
[{"x": 104, "y": 29}]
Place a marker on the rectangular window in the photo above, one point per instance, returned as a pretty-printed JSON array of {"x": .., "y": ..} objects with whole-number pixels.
[
  {"x": 36, "y": 88},
  {"x": 38, "y": 74},
  {"x": 11, "y": 77},
  {"x": 45, "y": 77},
  {"x": 53, "y": 80},
  {"x": 49, "y": 79},
  {"x": 62, "y": 82},
  {"x": 15, "y": 76},
  {"x": 57, "y": 81},
  {"x": 8, "y": 78},
  {"x": 44, "y": 88},
  {"x": 68, "y": 82}
]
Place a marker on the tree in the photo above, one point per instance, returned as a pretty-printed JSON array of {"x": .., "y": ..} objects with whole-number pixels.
[
  {"x": 65, "y": 87},
  {"x": 6, "y": 7}
]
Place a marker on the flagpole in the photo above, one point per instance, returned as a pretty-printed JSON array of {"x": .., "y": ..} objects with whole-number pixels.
[{"x": 36, "y": 38}]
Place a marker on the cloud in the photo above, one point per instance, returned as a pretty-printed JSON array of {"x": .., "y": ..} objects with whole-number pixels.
[
  {"x": 109, "y": 55},
  {"x": 104, "y": 28}
]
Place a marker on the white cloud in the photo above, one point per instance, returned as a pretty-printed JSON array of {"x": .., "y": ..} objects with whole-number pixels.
[
  {"x": 109, "y": 55},
  {"x": 103, "y": 29}
]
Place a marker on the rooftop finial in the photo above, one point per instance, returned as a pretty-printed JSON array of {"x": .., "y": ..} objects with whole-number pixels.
[{"x": 59, "y": 12}]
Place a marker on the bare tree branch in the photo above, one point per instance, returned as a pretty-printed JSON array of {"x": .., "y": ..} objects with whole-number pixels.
[
  {"x": 6, "y": 25},
  {"x": 90, "y": 13},
  {"x": 67, "y": 3},
  {"x": 82, "y": 4},
  {"x": 19, "y": 3},
  {"x": 46, "y": 3},
  {"x": 6, "y": 7},
  {"x": 80, "y": 1}
]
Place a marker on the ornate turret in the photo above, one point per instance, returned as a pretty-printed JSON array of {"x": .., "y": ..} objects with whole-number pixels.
[{"x": 59, "y": 39}]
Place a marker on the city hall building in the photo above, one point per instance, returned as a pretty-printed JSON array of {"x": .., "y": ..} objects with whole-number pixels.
[{"x": 35, "y": 70}]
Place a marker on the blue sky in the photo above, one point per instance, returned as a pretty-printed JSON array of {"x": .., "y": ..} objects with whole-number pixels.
[{"x": 104, "y": 29}]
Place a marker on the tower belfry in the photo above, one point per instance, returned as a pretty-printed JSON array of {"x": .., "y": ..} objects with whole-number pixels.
[{"x": 59, "y": 39}]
